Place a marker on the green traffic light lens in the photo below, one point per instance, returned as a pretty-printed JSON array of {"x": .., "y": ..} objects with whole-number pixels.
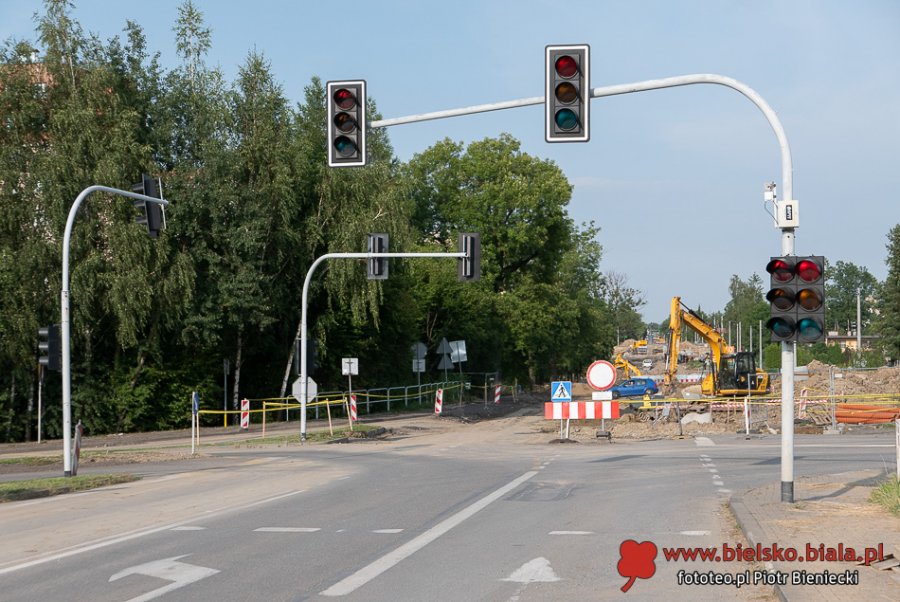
[
  {"x": 566, "y": 93},
  {"x": 344, "y": 122},
  {"x": 566, "y": 119},
  {"x": 781, "y": 327},
  {"x": 345, "y": 147},
  {"x": 809, "y": 329}
]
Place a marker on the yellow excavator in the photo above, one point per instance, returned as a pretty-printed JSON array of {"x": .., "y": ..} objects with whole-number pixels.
[
  {"x": 726, "y": 373},
  {"x": 628, "y": 369}
]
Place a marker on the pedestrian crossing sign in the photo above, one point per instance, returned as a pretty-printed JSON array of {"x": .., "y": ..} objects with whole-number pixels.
[{"x": 561, "y": 390}]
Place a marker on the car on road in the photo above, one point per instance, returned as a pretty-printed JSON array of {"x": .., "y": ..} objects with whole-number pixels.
[{"x": 634, "y": 387}]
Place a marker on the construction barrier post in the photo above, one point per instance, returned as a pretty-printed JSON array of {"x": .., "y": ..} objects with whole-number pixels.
[{"x": 897, "y": 430}]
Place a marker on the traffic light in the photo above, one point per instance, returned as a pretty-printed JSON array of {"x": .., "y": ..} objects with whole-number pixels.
[
  {"x": 378, "y": 266},
  {"x": 797, "y": 298},
  {"x": 49, "y": 347},
  {"x": 152, "y": 214},
  {"x": 567, "y": 93},
  {"x": 346, "y": 114},
  {"x": 470, "y": 265}
]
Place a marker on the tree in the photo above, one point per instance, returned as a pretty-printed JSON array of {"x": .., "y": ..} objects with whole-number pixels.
[
  {"x": 747, "y": 308},
  {"x": 623, "y": 303},
  {"x": 843, "y": 281},
  {"x": 888, "y": 323}
]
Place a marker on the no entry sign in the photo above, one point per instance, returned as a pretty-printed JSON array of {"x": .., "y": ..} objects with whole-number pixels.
[{"x": 601, "y": 375}]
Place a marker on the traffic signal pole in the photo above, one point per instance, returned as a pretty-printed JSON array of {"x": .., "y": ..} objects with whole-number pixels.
[
  {"x": 64, "y": 310},
  {"x": 304, "y": 378},
  {"x": 787, "y": 232}
]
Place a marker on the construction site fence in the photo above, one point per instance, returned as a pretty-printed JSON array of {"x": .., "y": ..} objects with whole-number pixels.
[{"x": 384, "y": 399}]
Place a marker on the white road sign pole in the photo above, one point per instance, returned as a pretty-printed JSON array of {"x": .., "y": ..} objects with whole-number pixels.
[{"x": 305, "y": 302}]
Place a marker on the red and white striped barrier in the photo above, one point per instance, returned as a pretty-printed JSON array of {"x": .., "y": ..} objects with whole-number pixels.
[
  {"x": 581, "y": 410},
  {"x": 353, "y": 408},
  {"x": 245, "y": 414},
  {"x": 438, "y": 400},
  {"x": 497, "y": 393}
]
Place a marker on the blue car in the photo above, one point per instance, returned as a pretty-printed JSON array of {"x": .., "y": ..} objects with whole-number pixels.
[{"x": 635, "y": 387}]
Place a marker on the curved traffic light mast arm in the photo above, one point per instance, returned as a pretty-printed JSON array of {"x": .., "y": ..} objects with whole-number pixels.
[
  {"x": 64, "y": 309},
  {"x": 644, "y": 86},
  {"x": 787, "y": 233},
  {"x": 304, "y": 380}
]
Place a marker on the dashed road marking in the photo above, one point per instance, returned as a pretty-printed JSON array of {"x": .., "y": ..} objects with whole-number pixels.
[
  {"x": 287, "y": 530},
  {"x": 387, "y": 531},
  {"x": 571, "y": 533}
]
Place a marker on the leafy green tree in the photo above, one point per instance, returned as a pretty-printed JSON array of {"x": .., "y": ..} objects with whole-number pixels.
[
  {"x": 843, "y": 281},
  {"x": 623, "y": 303},
  {"x": 888, "y": 323},
  {"x": 747, "y": 308}
]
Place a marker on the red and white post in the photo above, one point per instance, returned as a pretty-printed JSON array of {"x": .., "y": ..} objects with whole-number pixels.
[
  {"x": 438, "y": 401},
  {"x": 497, "y": 391},
  {"x": 245, "y": 414}
]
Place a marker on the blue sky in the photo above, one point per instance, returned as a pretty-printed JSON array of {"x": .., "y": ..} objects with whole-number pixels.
[{"x": 674, "y": 178}]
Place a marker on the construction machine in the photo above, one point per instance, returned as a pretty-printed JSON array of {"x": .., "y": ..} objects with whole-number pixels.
[
  {"x": 628, "y": 369},
  {"x": 725, "y": 372}
]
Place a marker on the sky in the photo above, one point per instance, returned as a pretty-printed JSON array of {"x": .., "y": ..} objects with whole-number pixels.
[{"x": 673, "y": 178}]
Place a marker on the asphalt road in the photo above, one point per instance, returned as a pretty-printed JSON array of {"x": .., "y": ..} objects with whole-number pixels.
[{"x": 491, "y": 511}]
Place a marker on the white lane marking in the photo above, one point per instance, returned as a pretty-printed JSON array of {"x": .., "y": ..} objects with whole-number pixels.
[
  {"x": 718, "y": 483},
  {"x": 714, "y": 470},
  {"x": 571, "y": 533},
  {"x": 534, "y": 571},
  {"x": 694, "y": 533},
  {"x": 387, "y": 531},
  {"x": 188, "y": 528},
  {"x": 179, "y": 573},
  {"x": 704, "y": 457},
  {"x": 287, "y": 530},
  {"x": 369, "y": 572},
  {"x": 703, "y": 442},
  {"x": 724, "y": 490},
  {"x": 102, "y": 543}
]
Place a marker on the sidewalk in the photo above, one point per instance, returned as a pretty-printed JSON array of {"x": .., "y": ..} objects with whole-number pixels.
[{"x": 829, "y": 510}]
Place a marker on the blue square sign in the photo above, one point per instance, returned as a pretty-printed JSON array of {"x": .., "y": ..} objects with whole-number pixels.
[{"x": 561, "y": 390}]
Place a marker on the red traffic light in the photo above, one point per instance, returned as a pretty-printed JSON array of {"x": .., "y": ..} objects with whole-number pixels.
[
  {"x": 344, "y": 99},
  {"x": 567, "y": 93},
  {"x": 346, "y": 125},
  {"x": 808, "y": 270},
  {"x": 781, "y": 269},
  {"x": 566, "y": 66}
]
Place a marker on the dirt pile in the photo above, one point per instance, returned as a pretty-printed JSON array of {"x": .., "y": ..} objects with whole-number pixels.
[{"x": 847, "y": 381}]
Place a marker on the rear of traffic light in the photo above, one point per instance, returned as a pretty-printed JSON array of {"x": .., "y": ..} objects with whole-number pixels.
[
  {"x": 151, "y": 214},
  {"x": 470, "y": 265},
  {"x": 378, "y": 266},
  {"x": 49, "y": 347},
  {"x": 346, "y": 114},
  {"x": 797, "y": 298},
  {"x": 567, "y": 93}
]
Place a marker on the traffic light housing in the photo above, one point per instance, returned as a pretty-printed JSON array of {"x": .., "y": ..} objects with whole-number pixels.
[
  {"x": 378, "y": 266},
  {"x": 346, "y": 114},
  {"x": 49, "y": 347},
  {"x": 469, "y": 266},
  {"x": 797, "y": 298},
  {"x": 151, "y": 214},
  {"x": 567, "y": 93}
]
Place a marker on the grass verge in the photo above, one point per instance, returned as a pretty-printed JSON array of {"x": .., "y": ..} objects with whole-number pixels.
[
  {"x": 25, "y": 490},
  {"x": 887, "y": 495}
]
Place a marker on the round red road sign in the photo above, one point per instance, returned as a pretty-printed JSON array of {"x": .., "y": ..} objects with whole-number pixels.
[{"x": 601, "y": 375}]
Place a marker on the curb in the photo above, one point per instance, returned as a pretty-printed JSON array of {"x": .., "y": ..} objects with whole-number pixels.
[{"x": 752, "y": 530}]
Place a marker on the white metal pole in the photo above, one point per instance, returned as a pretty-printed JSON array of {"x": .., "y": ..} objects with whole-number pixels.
[
  {"x": 65, "y": 311},
  {"x": 304, "y": 380}
]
